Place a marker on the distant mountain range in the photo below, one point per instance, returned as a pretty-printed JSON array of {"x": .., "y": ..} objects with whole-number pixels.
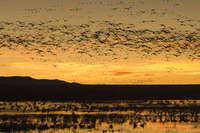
[{"x": 27, "y": 88}]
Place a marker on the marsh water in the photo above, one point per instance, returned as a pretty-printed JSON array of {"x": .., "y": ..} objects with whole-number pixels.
[{"x": 160, "y": 116}]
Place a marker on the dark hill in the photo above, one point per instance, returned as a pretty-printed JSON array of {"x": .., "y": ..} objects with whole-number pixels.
[{"x": 26, "y": 88}]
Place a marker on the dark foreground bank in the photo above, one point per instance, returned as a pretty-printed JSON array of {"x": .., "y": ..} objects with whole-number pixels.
[{"x": 26, "y": 88}]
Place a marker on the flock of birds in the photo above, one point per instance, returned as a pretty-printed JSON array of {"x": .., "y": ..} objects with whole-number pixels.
[
  {"x": 77, "y": 122},
  {"x": 108, "y": 39},
  {"x": 99, "y": 39},
  {"x": 73, "y": 123},
  {"x": 48, "y": 107}
]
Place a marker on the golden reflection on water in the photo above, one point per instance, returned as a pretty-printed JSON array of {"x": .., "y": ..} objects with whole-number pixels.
[{"x": 160, "y": 116}]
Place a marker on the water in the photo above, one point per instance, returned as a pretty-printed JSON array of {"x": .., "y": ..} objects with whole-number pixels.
[{"x": 160, "y": 116}]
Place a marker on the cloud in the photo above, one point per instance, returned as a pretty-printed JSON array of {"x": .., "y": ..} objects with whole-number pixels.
[
  {"x": 148, "y": 74},
  {"x": 121, "y": 73}
]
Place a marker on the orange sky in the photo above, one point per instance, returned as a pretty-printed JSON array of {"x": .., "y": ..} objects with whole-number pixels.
[{"x": 101, "y": 42}]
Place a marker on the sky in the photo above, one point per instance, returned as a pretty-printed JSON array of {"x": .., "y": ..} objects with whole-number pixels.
[{"x": 101, "y": 41}]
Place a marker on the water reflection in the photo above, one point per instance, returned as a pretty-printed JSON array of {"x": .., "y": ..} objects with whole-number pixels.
[{"x": 128, "y": 118}]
